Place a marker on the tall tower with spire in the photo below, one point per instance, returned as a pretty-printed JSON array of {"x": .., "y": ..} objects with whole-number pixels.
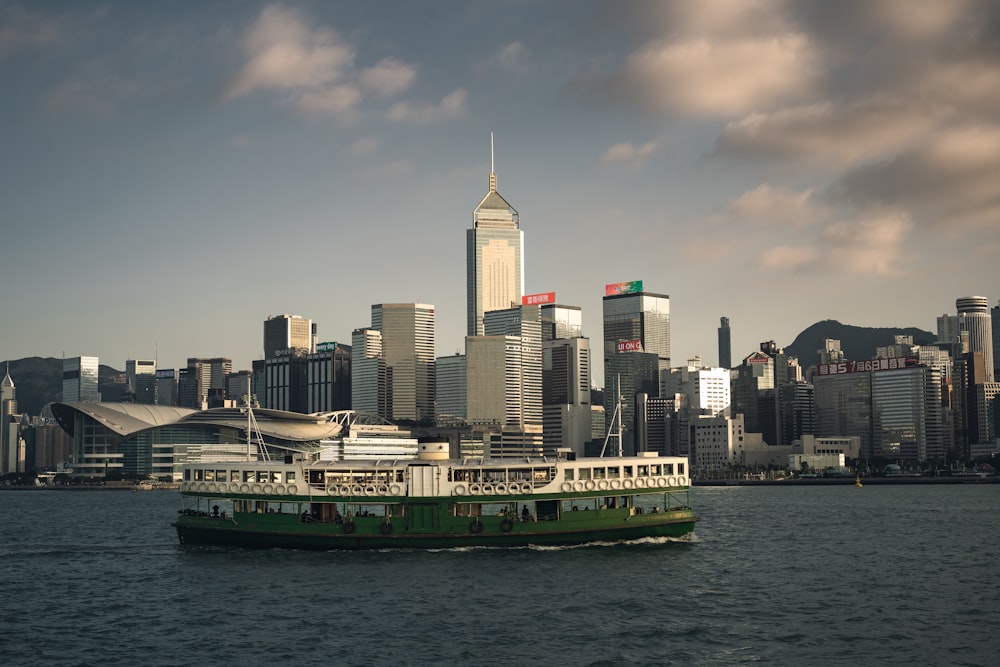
[
  {"x": 8, "y": 425},
  {"x": 495, "y": 256}
]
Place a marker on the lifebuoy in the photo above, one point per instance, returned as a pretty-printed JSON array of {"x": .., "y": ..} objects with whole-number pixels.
[
  {"x": 385, "y": 527},
  {"x": 370, "y": 490},
  {"x": 616, "y": 484},
  {"x": 578, "y": 485},
  {"x": 256, "y": 488},
  {"x": 475, "y": 488},
  {"x": 280, "y": 489},
  {"x": 603, "y": 484},
  {"x": 460, "y": 490},
  {"x": 488, "y": 489},
  {"x": 640, "y": 482},
  {"x": 662, "y": 481},
  {"x": 244, "y": 488},
  {"x": 628, "y": 483},
  {"x": 567, "y": 487},
  {"x": 211, "y": 487},
  {"x": 349, "y": 527},
  {"x": 395, "y": 489},
  {"x": 383, "y": 490},
  {"x": 501, "y": 488},
  {"x": 292, "y": 489},
  {"x": 268, "y": 489},
  {"x": 332, "y": 489},
  {"x": 526, "y": 487},
  {"x": 506, "y": 525},
  {"x": 590, "y": 485},
  {"x": 476, "y": 526},
  {"x": 356, "y": 490}
]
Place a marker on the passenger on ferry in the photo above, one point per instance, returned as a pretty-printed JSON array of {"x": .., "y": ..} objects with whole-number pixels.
[{"x": 525, "y": 514}]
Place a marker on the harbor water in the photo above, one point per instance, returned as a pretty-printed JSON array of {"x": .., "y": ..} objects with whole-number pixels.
[{"x": 831, "y": 575}]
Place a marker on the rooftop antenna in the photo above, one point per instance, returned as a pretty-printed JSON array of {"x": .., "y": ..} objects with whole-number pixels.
[{"x": 493, "y": 176}]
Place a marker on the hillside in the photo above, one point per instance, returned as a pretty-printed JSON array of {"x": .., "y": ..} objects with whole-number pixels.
[
  {"x": 38, "y": 381},
  {"x": 858, "y": 343}
]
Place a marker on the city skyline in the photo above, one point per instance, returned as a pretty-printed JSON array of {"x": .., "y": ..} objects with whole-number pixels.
[{"x": 768, "y": 162}]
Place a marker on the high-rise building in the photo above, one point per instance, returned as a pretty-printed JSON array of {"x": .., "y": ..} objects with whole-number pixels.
[
  {"x": 166, "y": 386},
  {"x": 80, "y": 377},
  {"x": 284, "y": 334},
  {"x": 974, "y": 316},
  {"x": 368, "y": 372},
  {"x": 450, "y": 389},
  {"x": 328, "y": 378},
  {"x": 140, "y": 376},
  {"x": 8, "y": 426},
  {"x": 495, "y": 257},
  {"x": 521, "y": 384},
  {"x": 995, "y": 320},
  {"x": 203, "y": 377},
  {"x": 725, "y": 344},
  {"x": 408, "y": 351},
  {"x": 636, "y": 349}
]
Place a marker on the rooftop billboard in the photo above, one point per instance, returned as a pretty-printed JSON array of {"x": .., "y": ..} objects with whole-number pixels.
[
  {"x": 614, "y": 289},
  {"x": 538, "y": 299}
]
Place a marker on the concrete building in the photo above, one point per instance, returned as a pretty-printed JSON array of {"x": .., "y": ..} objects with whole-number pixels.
[
  {"x": 140, "y": 377},
  {"x": 285, "y": 333},
  {"x": 408, "y": 351},
  {"x": 725, "y": 344},
  {"x": 974, "y": 318},
  {"x": 328, "y": 378},
  {"x": 451, "y": 390},
  {"x": 10, "y": 454},
  {"x": 368, "y": 372},
  {"x": 495, "y": 257},
  {"x": 203, "y": 377}
]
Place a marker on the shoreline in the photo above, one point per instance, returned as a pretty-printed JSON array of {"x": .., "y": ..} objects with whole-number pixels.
[{"x": 846, "y": 481}]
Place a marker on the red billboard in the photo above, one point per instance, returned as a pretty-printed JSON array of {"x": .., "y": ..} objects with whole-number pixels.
[
  {"x": 538, "y": 299},
  {"x": 891, "y": 364}
]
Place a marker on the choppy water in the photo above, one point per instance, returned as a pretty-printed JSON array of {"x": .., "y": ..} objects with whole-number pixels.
[{"x": 788, "y": 576}]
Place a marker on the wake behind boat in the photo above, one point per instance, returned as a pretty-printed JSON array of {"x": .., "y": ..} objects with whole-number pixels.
[{"x": 434, "y": 502}]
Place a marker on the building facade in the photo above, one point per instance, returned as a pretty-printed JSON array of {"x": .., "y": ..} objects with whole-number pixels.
[
  {"x": 80, "y": 380},
  {"x": 284, "y": 333},
  {"x": 407, "y": 331}
]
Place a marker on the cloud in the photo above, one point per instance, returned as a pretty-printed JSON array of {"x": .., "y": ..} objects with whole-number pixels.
[
  {"x": 388, "y": 78},
  {"x": 950, "y": 178},
  {"x": 22, "y": 29},
  {"x": 451, "y": 106},
  {"x": 313, "y": 66},
  {"x": 628, "y": 152},
  {"x": 869, "y": 245},
  {"x": 774, "y": 205},
  {"x": 393, "y": 168},
  {"x": 513, "y": 56},
  {"x": 787, "y": 258},
  {"x": 284, "y": 52}
]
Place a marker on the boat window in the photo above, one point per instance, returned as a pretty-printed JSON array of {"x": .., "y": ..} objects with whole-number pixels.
[
  {"x": 187, "y": 475},
  {"x": 569, "y": 474},
  {"x": 261, "y": 476},
  {"x": 654, "y": 470},
  {"x": 290, "y": 476},
  {"x": 234, "y": 475},
  {"x": 275, "y": 477},
  {"x": 220, "y": 475},
  {"x": 680, "y": 468},
  {"x": 248, "y": 476},
  {"x": 584, "y": 473},
  {"x": 197, "y": 475},
  {"x": 613, "y": 472},
  {"x": 628, "y": 471},
  {"x": 209, "y": 475},
  {"x": 599, "y": 473},
  {"x": 668, "y": 468},
  {"x": 643, "y": 471}
]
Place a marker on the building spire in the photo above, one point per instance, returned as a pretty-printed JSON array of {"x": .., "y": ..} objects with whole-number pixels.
[{"x": 493, "y": 176}]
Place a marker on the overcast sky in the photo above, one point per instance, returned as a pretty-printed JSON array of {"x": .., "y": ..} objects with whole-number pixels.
[{"x": 171, "y": 173}]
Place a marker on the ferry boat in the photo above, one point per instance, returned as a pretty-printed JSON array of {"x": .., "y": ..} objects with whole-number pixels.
[{"x": 433, "y": 502}]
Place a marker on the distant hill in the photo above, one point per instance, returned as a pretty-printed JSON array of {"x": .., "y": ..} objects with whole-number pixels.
[
  {"x": 38, "y": 381},
  {"x": 858, "y": 343}
]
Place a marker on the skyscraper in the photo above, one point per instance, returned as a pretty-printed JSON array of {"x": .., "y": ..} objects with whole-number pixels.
[
  {"x": 974, "y": 316},
  {"x": 140, "y": 375},
  {"x": 636, "y": 348},
  {"x": 408, "y": 350},
  {"x": 80, "y": 376},
  {"x": 284, "y": 333},
  {"x": 725, "y": 344},
  {"x": 8, "y": 426},
  {"x": 495, "y": 256}
]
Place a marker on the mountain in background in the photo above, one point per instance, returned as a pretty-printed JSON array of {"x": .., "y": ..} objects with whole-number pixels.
[
  {"x": 858, "y": 343},
  {"x": 38, "y": 381}
]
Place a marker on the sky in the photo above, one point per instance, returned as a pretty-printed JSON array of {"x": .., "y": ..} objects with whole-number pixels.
[{"x": 172, "y": 173}]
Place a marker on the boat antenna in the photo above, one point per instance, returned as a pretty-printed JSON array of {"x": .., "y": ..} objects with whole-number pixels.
[{"x": 615, "y": 427}]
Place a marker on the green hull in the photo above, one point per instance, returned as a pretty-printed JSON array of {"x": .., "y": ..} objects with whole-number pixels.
[{"x": 286, "y": 531}]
